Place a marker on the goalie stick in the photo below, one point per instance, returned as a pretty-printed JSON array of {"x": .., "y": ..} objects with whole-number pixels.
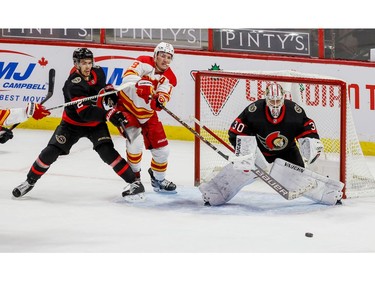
[
  {"x": 51, "y": 86},
  {"x": 263, "y": 175}
]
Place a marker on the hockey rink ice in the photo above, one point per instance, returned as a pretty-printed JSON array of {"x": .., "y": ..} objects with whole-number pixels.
[{"x": 76, "y": 207}]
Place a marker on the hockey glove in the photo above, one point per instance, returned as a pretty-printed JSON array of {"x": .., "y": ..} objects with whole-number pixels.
[
  {"x": 145, "y": 89},
  {"x": 158, "y": 102},
  {"x": 116, "y": 117},
  {"x": 109, "y": 100},
  {"x": 36, "y": 110},
  {"x": 310, "y": 148},
  {"x": 5, "y": 135}
]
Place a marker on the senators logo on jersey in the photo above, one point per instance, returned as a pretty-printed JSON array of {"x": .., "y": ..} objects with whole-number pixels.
[{"x": 274, "y": 141}]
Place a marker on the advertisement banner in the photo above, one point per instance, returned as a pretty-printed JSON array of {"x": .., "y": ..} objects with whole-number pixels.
[
  {"x": 191, "y": 38},
  {"x": 265, "y": 41},
  {"x": 24, "y": 77},
  {"x": 71, "y": 34}
]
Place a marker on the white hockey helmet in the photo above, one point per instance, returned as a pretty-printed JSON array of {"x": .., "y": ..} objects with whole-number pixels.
[
  {"x": 275, "y": 96},
  {"x": 164, "y": 47}
]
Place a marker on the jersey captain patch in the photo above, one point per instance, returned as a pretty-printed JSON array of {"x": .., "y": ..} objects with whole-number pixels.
[{"x": 274, "y": 141}]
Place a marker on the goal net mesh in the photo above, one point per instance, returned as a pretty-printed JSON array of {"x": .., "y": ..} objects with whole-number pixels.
[{"x": 221, "y": 97}]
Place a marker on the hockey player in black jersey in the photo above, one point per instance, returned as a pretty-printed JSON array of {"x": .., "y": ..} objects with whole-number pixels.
[
  {"x": 84, "y": 120},
  {"x": 276, "y": 124}
]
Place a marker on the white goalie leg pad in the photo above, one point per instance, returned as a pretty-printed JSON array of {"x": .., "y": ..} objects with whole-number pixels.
[
  {"x": 225, "y": 185},
  {"x": 261, "y": 162},
  {"x": 328, "y": 192},
  {"x": 318, "y": 188}
]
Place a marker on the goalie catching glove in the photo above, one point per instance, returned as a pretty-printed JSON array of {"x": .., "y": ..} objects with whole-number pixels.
[
  {"x": 144, "y": 89},
  {"x": 310, "y": 149}
]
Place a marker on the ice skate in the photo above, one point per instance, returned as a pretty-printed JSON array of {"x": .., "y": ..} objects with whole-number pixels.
[
  {"x": 134, "y": 192},
  {"x": 23, "y": 188},
  {"x": 163, "y": 186}
]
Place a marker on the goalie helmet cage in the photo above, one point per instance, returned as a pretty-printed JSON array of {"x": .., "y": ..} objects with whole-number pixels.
[{"x": 220, "y": 96}]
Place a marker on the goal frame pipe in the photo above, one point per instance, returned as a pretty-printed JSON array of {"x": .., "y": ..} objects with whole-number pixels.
[{"x": 223, "y": 74}]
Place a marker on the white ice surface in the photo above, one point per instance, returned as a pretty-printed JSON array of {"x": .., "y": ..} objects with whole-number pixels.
[{"x": 76, "y": 207}]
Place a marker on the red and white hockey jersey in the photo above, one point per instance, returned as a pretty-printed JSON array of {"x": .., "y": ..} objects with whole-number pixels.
[
  {"x": 144, "y": 68},
  {"x": 12, "y": 116}
]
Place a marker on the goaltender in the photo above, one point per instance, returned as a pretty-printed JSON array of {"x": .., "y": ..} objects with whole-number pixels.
[{"x": 277, "y": 124}]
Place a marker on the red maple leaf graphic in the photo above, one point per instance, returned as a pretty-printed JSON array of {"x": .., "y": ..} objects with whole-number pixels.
[
  {"x": 212, "y": 86},
  {"x": 43, "y": 61}
]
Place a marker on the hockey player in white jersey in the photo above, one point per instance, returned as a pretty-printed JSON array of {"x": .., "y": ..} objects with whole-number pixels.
[{"x": 151, "y": 81}]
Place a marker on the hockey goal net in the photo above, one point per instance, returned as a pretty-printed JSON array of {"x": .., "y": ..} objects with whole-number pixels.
[{"x": 221, "y": 97}]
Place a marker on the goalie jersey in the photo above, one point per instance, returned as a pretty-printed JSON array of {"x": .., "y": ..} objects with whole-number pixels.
[{"x": 276, "y": 137}]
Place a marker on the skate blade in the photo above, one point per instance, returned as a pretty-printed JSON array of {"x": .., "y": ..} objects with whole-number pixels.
[
  {"x": 139, "y": 197},
  {"x": 163, "y": 191}
]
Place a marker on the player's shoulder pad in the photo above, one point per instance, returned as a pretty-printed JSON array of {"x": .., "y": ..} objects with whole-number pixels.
[
  {"x": 146, "y": 59},
  {"x": 294, "y": 106},
  {"x": 169, "y": 74},
  {"x": 254, "y": 106},
  {"x": 74, "y": 78},
  {"x": 98, "y": 69}
]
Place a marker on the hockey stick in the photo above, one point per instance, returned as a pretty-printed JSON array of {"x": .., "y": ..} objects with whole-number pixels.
[
  {"x": 121, "y": 87},
  {"x": 51, "y": 86},
  {"x": 268, "y": 179}
]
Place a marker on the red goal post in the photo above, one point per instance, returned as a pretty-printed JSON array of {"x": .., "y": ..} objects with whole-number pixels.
[{"x": 220, "y": 96}]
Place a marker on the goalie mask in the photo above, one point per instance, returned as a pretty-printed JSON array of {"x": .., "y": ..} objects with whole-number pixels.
[{"x": 275, "y": 95}]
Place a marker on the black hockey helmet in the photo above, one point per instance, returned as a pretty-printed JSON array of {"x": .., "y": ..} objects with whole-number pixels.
[{"x": 82, "y": 53}]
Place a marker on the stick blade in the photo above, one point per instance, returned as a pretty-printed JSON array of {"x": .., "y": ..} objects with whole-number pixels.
[{"x": 51, "y": 84}]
